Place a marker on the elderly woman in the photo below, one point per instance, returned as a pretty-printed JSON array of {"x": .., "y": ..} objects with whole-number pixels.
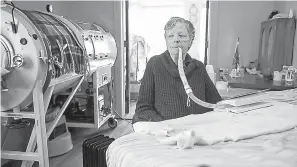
[{"x": 162, "y": 95}]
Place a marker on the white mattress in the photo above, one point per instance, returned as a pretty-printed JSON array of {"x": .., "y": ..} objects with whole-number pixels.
[{"x": 216, "y": 128}]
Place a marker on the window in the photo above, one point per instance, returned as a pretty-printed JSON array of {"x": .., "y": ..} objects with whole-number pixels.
[{"x": 146, "y": 33}]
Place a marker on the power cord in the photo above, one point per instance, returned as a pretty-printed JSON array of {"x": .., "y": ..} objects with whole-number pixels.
[
  {"x": 120, "y": 117},
  {"x": 14, "y": 28}
]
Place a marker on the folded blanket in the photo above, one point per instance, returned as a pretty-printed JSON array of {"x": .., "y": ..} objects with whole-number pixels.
[{"x": 214, "y": 127}]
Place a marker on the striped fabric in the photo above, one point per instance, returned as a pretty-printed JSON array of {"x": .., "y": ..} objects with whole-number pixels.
[
  {"x": 56, "y": 35},
  {"x": 162, "y": 95}
]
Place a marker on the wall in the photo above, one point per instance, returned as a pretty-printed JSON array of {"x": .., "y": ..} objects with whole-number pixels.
[
  {"x": 284, "y": 7},
  {"x": 92, "y": 11},
  {"x": 105, "y": 13},
  {"x": 232, "y": 19}
]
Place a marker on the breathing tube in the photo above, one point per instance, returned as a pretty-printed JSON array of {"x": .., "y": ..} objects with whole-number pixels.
[{"x": 187, "y": 86}]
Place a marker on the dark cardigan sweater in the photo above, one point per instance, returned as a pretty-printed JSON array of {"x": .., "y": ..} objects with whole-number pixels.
[{"x": 162, "y": 95}]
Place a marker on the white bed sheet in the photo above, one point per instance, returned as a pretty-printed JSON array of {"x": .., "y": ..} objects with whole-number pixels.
[
  {"x": 142, "y": 150},
  {"x": 271, "y": 150}
]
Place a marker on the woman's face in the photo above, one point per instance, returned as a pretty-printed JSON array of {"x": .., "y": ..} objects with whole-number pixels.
[{"x": 176, "y": 37}]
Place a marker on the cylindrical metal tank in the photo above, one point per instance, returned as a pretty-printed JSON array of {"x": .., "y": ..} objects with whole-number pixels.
[{"x": 43, "y": 46}]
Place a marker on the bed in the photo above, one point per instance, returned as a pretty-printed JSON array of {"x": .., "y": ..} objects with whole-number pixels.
[{"x": 265, "y": 137}]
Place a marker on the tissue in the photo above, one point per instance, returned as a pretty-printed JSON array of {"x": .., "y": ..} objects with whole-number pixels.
[{"x": 186, "y": 139}]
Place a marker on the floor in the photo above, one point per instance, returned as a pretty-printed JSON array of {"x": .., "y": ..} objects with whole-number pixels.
[{"x": 74, "y": 157}]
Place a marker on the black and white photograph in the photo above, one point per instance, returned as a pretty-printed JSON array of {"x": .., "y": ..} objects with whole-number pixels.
[{"x": 148, "y": 83}]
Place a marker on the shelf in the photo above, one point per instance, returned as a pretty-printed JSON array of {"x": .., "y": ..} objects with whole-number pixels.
[
  {"x": 18, "y": 114},
  {"x": 81, "y": 124},
  {"x": 250, "y": 81}
]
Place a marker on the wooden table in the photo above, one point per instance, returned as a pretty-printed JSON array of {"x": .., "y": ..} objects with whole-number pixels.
[{"x": 256, "y": 82}]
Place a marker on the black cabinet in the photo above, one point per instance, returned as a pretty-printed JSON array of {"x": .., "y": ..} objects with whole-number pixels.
[{"x": 276, "y": 44}]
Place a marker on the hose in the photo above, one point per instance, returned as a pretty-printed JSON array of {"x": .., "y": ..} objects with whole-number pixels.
[{"x": 187, "y": 86}]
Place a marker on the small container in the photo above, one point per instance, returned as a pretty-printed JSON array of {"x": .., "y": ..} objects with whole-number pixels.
[
  {"x": 277, "y": 76},
  {"x": 241, "y": 72},
  {"x": 221, "y": 85},
  {"x": 291, "y": 14},
  {"x": 289, "y": 80}
]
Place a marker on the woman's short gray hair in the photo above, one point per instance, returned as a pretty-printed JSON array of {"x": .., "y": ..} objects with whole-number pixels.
[{"x": 172, "y": 22}]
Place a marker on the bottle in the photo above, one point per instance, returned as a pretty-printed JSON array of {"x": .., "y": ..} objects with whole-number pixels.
[
  {"x": 291, "y": 14},
  {"x": 235, "y": 63}
]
